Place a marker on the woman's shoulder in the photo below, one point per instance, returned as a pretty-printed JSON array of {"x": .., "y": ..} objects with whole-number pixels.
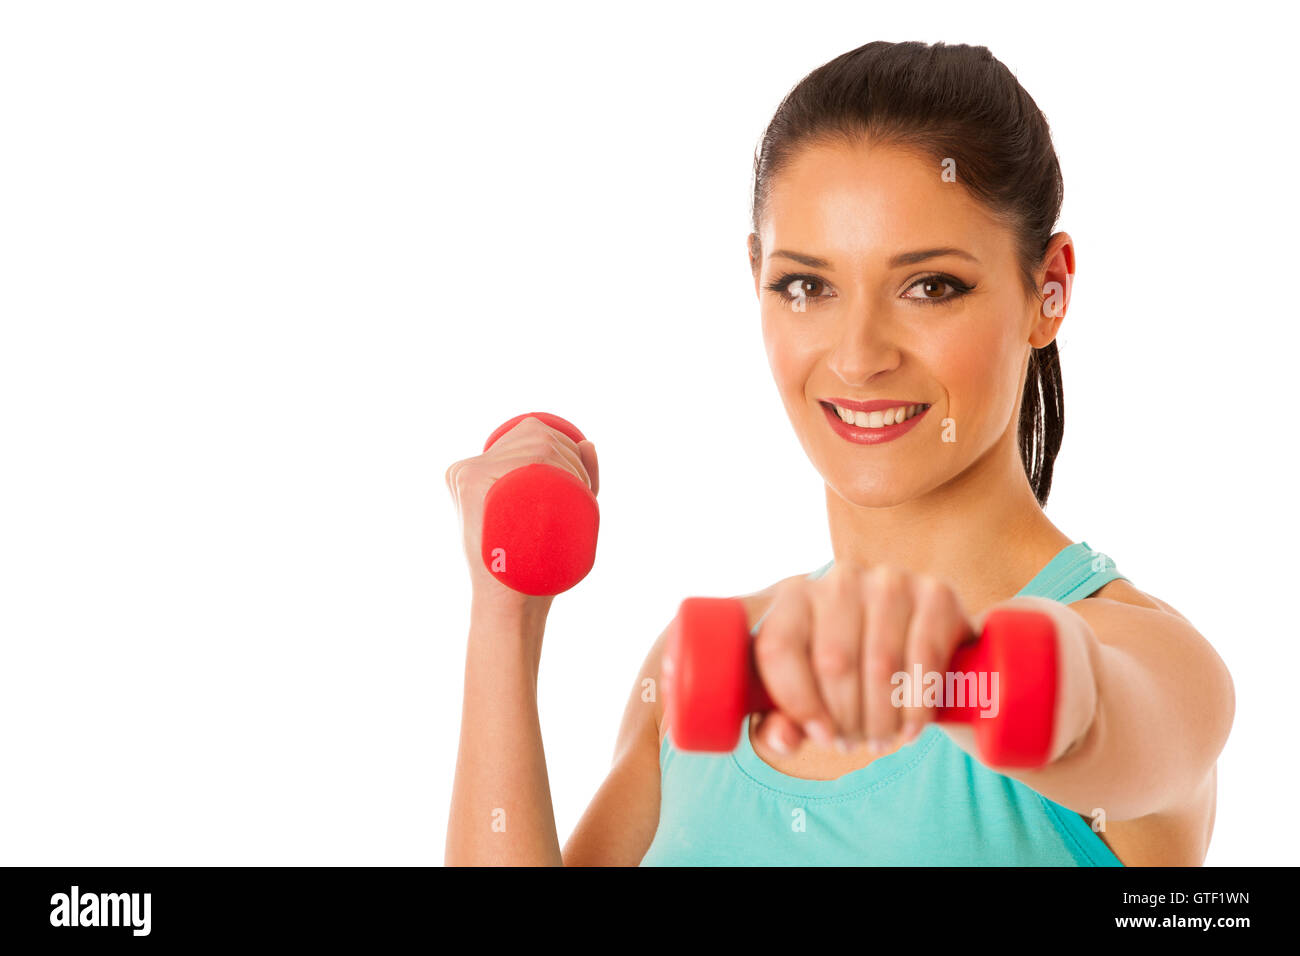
[{"x": 1122, "y": 591}]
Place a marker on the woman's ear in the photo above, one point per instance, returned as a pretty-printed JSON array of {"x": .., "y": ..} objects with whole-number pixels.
[{"x": 1057, "y": 277}]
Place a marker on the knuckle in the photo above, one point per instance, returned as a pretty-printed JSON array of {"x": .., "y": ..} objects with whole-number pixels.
[
  {"x": 925, "y": 651},
  {"x": 843, "y": 584},
  {"x": 561, "y": 452},
  {"x": 881, "y": 666},
  {"x": 786, "y": 589},
  {"x": 769, "y": 649},
  {"x": 833, "y": 658},
  {"x": 457, "y": 474},
  {"x": 927, "y": 588},
  {"x": 851, "y": 573},
  {"x": 885, "y": 582},
  {"x": 785, "y": 597},
  {"x": 827, "y": 601}
]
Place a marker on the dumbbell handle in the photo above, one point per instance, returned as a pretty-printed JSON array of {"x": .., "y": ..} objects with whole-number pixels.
[
  {"x": 1016, "y": 648},
  {"x": 966, "y": 659}
]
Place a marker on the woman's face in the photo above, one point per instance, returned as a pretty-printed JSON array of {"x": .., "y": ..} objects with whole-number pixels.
[{"x": 895, "y": 286}]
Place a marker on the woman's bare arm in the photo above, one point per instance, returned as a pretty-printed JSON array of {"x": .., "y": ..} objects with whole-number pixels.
[
  {"x": 1160, "y": 706},
  {"x": 501, "y": 812},
  {"x": 620, "y": 821}
]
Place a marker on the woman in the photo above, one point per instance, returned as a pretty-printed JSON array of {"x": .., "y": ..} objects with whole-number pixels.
[{"x": 911, "y": 289}]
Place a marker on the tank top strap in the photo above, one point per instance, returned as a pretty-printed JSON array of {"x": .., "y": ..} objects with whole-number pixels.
[{"x": 1077, "y": 571}]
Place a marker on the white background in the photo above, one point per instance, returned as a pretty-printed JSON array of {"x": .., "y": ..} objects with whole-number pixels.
[{"x": 267, "y": 269}]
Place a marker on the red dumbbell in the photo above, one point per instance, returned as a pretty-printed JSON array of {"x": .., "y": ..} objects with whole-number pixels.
[
  {"x": 710, "y": 682},
  {"x": 539, "y": 521}
]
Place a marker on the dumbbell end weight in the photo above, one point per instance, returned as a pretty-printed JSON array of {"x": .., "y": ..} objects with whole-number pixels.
[
  {"x": 555, "y": 421},
  {"x": 539, "y": 530},
  {"x": 540, "y": 522},
  {"x": 1018, "y": 649},
  {"x": 710, "y": 682}
]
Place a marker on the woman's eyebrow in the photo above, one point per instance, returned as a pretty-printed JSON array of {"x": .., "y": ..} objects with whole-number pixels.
[
  {"x": 901, "y": 259},
  {"x": 911, "y": 258},
  {"x": 800, "y": 257}
]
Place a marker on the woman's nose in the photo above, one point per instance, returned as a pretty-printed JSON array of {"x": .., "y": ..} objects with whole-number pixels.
[{"x": 864, "y": 349}]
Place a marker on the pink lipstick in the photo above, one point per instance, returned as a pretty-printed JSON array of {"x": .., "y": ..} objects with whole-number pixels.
[{"x": 865, "y": 434}]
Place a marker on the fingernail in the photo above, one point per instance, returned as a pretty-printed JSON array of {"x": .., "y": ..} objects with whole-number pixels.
[
  {"x": 842, "y": 745},
  {"x": 911, "y": 729},
  {"x": 819, "y": 732},
  {"x": 876, "y": 744},
  {"x": 777, "y": 743}
]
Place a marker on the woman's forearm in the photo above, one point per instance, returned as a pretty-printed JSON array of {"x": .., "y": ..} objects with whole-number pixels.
[
  {"x": 1161, "y": 708},
  {"x": 501, "y": 812}
]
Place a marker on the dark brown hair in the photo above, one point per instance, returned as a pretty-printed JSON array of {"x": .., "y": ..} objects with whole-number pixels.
[{"x": 953, "y": 102}]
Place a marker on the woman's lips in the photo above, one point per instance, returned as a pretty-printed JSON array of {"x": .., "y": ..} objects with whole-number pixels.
[{"x": 861, "y": 435}]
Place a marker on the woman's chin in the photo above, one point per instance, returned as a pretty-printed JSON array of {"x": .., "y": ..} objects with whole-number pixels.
[{"x": 877, "y": 493}]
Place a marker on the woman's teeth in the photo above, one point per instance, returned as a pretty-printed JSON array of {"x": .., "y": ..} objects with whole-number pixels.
[{"x": 889, "y": 416}]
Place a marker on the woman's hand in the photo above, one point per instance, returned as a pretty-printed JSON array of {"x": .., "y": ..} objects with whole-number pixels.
[
  {"x": 531, "y": 441},
  {"x": 828, "y": 648}
]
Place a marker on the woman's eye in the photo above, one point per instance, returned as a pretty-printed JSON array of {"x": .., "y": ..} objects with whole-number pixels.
[
  {"x": 931, "y": 289},
  {"x": 804, "y": 288},
  {"x": 797, "y": 290}
]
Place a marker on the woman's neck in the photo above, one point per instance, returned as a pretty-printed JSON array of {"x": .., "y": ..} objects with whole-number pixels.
[{"x": 983, "y": 531}]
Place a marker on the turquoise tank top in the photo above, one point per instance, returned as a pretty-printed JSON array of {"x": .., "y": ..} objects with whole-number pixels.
[{"x": 928, "y": 803}]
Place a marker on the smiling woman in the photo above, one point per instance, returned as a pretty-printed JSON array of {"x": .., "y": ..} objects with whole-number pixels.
[{"x": 911, "y": 288}]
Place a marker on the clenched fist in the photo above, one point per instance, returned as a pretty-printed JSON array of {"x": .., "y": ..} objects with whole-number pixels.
[
  {"x": 530, "y": 441},
  {"x": 828, "y": 651}
]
